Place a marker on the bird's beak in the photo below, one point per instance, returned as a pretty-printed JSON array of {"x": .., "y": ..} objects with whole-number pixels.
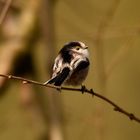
[{"x": 86, "y": 47}]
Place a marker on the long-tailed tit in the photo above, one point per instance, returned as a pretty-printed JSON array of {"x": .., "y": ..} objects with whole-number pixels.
[{"x": 71, "y": 65}]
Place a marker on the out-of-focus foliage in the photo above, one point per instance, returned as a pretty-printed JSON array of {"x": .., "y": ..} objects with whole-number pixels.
[{"x": 31, "y": 36}]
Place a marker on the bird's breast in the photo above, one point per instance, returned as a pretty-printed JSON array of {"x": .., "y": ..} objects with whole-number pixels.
[{"x": 77, "y": 78}]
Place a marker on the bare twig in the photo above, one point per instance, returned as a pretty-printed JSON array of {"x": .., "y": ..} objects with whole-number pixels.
[
  {"x": 13, "y": 47},
  {"x": 83, "y": 89},
  {"x": 5, "y": 11},
  {"x": 119, "y": 56}
]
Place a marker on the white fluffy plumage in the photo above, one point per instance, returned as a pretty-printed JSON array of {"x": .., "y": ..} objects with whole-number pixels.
[{"x": 71, "y": 65}]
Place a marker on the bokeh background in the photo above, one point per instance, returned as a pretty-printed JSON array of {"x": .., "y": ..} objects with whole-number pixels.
[{"x": 31, "y": 34}]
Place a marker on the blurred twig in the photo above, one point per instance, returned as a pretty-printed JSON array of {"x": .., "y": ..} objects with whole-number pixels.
[
  {"x": 107, "y": 17},
  {"x": 5, "y": 11},
  {"x": 54, "y": 113},
  {"x": 119, "y": 56},
  {"x": 83, "y": 89},
  {"x": 13, "y": 47}
]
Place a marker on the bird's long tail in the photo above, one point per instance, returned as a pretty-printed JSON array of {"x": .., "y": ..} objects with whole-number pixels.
[{"x": 60, "y": 78}]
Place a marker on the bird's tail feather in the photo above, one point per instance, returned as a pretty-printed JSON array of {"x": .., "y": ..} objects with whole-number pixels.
[{"x": 60, "y": 78}]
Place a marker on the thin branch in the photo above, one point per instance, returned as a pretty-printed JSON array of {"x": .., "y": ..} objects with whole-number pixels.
[
  {"x": 5, "y": 11},
  {"x": 83, "y": 89}
]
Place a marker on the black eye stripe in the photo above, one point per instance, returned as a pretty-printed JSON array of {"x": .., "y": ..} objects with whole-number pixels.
[{"x": 77, "y": 48}]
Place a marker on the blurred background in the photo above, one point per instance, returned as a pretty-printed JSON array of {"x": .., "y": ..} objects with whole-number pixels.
[{"x": 31, "y": 34}]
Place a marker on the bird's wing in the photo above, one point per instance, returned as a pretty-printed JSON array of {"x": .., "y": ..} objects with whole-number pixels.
[
  {"x": 80, "y": 63},
  {"x": 57, "y": 66},
  {"x": 60, "y": 72},
  {"x": 60, "y": 78}
]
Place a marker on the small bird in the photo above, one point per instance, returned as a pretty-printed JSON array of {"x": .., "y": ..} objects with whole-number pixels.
[{"x": 71, "y": 65}]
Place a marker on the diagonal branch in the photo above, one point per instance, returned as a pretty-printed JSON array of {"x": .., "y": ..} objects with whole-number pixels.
[
  {"x": 83, "y": 89},
  {"x": 5, "y": 11}
]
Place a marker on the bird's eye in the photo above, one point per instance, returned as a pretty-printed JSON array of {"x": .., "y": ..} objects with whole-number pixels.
[{"x": 77, "y": 48}]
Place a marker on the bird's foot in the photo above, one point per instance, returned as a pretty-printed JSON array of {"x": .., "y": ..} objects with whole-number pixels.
[{"x": 83, "y": 88}]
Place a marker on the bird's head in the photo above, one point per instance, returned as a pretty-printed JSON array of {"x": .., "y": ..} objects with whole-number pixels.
[{"x": 76, "y": 47}]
